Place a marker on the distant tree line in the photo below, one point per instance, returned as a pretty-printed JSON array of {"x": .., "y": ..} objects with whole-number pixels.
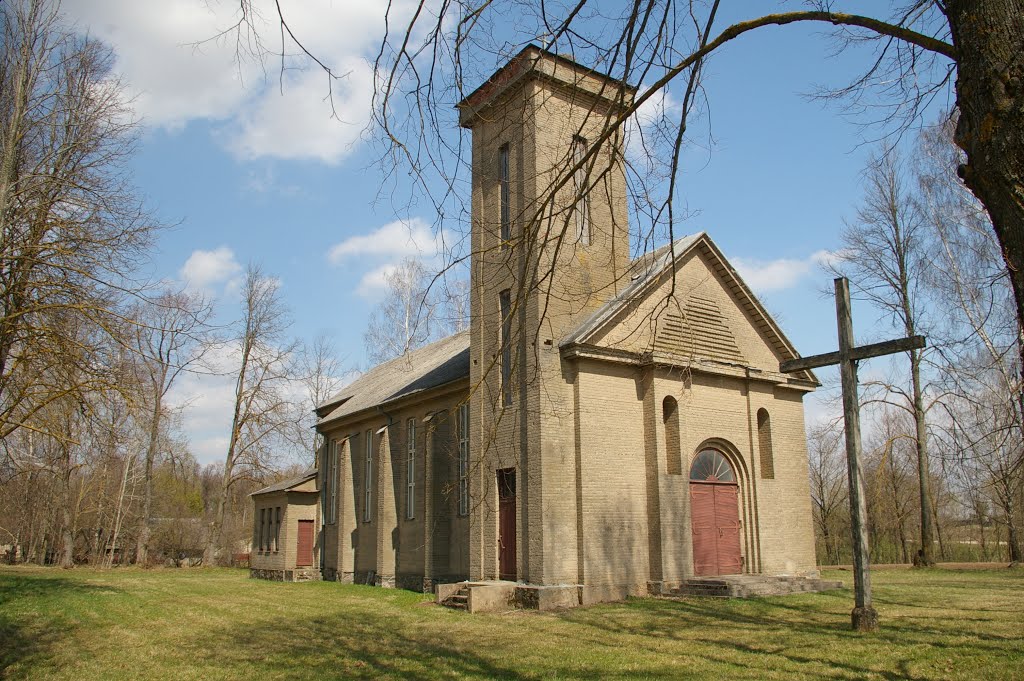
[{"x": 94, "y": 464}]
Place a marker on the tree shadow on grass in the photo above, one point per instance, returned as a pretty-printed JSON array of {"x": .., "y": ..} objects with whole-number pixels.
[
  {"x": 367, "y": 645},
  {"x": 24, "y": 637},
  {"x": 759, "y": 629}
]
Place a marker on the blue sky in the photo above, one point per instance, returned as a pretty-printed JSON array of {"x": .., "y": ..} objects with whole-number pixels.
[{"x": 246, "y": 173}]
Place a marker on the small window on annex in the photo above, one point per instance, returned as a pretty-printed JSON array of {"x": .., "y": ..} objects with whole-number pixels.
[
  {"x": 504, "y": 196},
  {"x": 670, "y": 418},
  {"x": 277, "y": 529},
  {"x": 764, "y": 442}
]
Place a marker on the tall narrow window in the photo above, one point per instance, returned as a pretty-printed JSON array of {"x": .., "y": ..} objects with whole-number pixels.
[
  {"x": 332, "y": 482},
  {"x": 463, "y": 428},
  {"x": 259, "y": 529},
  {"x": 368, "y": 478},
  {"x": 579, "y": 180},
  {"x": 410, "y": 470},
  {"x": 503, "y": 184},
  {"x": 764, "y": 441},
  {"x": 505, "y": 344},
  {"x": 277, "y": 529},
  {"x": 670, "y": 417}
]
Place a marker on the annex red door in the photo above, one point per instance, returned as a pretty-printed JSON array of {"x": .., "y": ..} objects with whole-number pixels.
[
  {"x": 304, "y": 549},
  {"x": 715, "y": 517},
  {"x": 507, "y": 524}
]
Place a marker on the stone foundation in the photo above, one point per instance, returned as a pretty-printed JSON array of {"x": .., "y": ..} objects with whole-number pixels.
[{"x": 296, "y": 575}]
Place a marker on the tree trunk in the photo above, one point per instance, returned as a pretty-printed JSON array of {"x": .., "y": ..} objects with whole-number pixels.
[
  {"x": 990, "y": 96},
  {"x": 98, "y": 539},
  {"x": 145, "y": 527},
  {"x": 67, "y": 554}
]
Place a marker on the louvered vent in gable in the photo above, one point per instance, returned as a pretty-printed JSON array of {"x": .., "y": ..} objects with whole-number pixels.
[{"x": 701, "y": 331}]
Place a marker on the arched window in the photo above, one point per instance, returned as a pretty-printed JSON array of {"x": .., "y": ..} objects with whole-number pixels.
[
  {"x": 670, "y": 417},
  {"x": 711, "y": 466},
  {"x": 764, "y": 442}
]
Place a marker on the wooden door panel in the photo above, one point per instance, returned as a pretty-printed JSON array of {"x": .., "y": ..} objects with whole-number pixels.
[
  {"x": 304, "y": 548},
  {"x": 727, "y": 520},
  {"x": 705, "y": 539}
]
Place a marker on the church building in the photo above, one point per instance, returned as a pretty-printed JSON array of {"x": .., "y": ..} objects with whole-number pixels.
[{"x": 608, "y": 426}]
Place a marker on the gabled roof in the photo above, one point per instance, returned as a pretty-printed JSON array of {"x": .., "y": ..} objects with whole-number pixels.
[
  {"x": 286, "y": 485},
  {"x": 428, "y": 367},
  {"x": 644, "y": 272},
  {"x": 649, "y": 270}
]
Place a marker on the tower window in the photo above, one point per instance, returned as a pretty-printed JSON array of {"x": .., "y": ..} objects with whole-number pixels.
[
  {"x": 505, "y": 344},
  {"x": 503, "y": 182},
  {"x": 581, "y": 214}
]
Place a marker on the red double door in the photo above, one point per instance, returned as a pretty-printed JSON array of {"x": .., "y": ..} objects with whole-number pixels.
[{"x": 714, "y": 508}]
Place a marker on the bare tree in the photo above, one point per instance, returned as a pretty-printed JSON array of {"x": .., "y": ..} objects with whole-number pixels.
[
  {"x": 320, "y": 375},
  {"x": 885, "y": 256},
  {"x": 406, "y": 318},
  {"x": 827, "y": 467},
  {"x": 171, "y": 336},
  {"x": 72, "y": 231},
  {"x": 263, "y": 414}
]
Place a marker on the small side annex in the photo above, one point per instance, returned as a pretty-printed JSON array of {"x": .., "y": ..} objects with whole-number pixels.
[{"x": 285, "y": 529}]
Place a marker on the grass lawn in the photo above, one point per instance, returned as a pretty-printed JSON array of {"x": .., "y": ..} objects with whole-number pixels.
[{"x": 218, "y": 624}]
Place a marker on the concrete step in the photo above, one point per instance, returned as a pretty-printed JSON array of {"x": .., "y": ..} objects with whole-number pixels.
[
  {"x": 457, "y": 601},
  {"x": 752, "y": 586}
]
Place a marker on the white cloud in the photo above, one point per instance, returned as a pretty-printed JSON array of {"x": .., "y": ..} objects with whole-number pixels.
[
  {"x": 182, "y": 63},
  {"x": 301, "y": 122},
  {"x": 383, "y": 249},
  {"x": 374, "y": 283},
  {"x": 782, "y": 273},
  {"x": 396, "y": 239},
  {"x": 205, "y": 268}
]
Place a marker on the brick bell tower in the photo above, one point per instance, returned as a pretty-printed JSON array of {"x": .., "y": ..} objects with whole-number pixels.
[{"x": 550, "y": 244}]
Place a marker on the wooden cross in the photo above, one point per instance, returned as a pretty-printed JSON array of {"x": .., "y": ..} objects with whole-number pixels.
[{"x": 864, "y": 616}]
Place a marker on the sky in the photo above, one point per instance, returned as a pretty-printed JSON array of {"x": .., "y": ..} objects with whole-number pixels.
[{"x": 245, "y": 164}]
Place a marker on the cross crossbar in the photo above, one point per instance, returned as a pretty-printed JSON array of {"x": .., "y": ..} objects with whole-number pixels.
[{"x": 856, "y": 353}]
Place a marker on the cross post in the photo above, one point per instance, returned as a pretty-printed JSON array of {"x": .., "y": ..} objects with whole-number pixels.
[{"x": 864, "y": 616}]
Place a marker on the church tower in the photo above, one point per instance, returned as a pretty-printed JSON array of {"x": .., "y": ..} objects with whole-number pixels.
[{"x": 550, "y": 245}]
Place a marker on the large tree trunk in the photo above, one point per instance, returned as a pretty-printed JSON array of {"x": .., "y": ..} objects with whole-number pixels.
[
  {"x": 67, "y": 554},
  {"x": 988, "y": 35}
]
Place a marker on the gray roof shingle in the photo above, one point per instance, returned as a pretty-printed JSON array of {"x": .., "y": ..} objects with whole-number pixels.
[
  {"x": 428, "y": 367},
  {"x": 287, "y": 484}
]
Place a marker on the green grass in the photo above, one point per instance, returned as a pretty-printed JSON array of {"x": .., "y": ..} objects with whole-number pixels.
[{"x": 218, "y": 624}]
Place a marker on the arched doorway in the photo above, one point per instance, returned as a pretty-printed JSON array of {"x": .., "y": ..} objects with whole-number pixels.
[{"x": 715, "y": 515}]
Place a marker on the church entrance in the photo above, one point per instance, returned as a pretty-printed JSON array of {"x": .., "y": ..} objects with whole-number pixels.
[
  {"x": 715, "y": 513},
  {"x": 507, "y": 524}
]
